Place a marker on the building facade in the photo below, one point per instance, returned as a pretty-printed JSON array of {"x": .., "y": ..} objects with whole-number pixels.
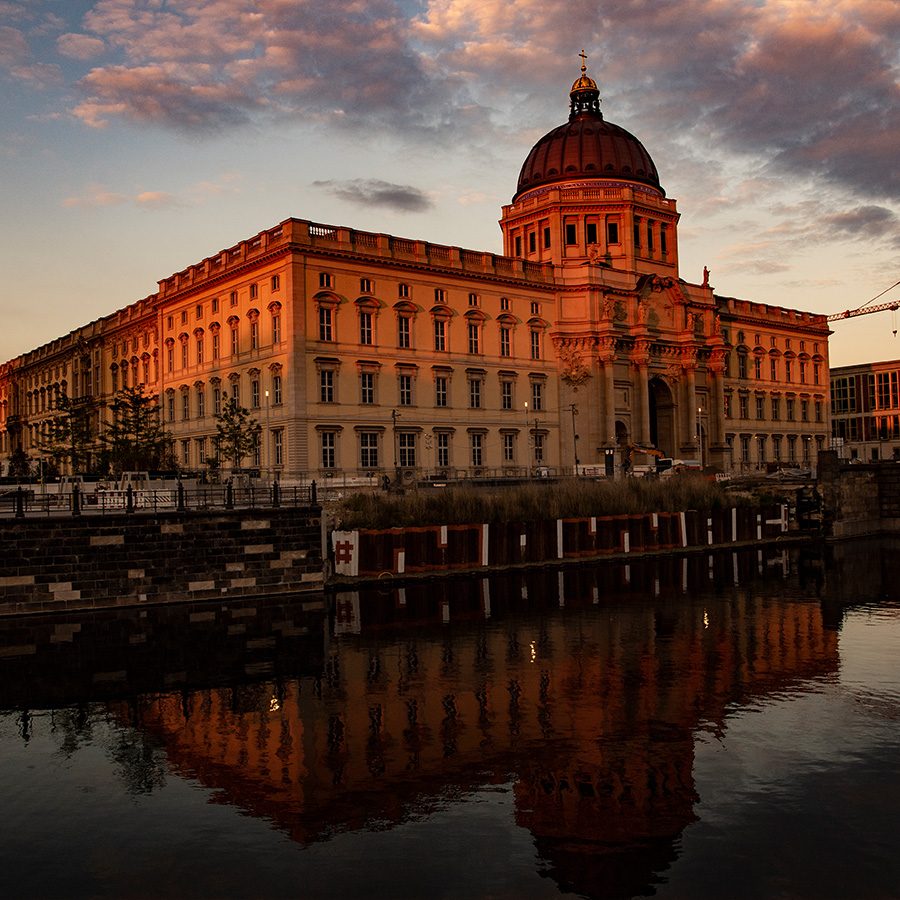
[
  {"x": 865, "y": 409},
  {"x": 365, "y": 353}
]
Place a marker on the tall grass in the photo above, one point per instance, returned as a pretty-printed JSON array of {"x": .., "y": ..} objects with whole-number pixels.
[{"x": 531, "y": 502}]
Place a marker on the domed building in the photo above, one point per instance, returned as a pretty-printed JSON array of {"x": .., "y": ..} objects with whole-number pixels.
[{"x": 580, "y": 348}]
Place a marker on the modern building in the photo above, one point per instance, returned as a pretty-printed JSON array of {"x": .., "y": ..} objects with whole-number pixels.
[
  {"x": 368, "y": 353},
  {"x": 865, "y": 411}
]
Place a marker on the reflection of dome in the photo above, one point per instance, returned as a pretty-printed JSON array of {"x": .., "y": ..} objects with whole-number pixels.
[{"x": 586, "y": 147}]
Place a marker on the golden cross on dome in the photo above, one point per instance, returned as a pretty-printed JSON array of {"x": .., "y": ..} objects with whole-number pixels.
[{"x": 583, "y": 56}]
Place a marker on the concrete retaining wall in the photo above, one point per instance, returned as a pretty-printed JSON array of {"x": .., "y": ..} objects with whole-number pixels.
[
  {"x": 860, "y": 498},
  {"x": 66, "y": 563}
]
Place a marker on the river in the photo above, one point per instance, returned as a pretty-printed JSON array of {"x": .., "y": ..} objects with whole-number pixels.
[{"x": 712, "y": 726}]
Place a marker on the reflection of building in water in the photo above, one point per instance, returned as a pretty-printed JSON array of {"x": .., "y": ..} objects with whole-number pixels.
[{"x": 592, "y": 715}]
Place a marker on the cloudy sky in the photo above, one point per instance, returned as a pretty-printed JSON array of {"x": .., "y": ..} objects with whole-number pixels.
[{"x": 140, "y": 136}]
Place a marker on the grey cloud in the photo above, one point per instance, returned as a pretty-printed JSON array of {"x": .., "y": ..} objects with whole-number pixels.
[{"x": 372, "y": 192}]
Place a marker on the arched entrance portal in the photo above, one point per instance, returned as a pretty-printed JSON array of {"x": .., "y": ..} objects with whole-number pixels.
[{"x": 662, "y": 417}]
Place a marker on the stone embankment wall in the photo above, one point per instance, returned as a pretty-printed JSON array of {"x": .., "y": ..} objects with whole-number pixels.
[
  {"x": 85, "y": 563},
  {"x": 860, "y": 498},
  {"x": 369, "y": 553}
]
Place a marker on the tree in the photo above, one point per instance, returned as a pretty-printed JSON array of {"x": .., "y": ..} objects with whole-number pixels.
[
  {"x": 19, "y": 464},
  {"x": 238, "y": 434},
  {"x": 67, "y": 437},
  {"x": 135, "y": 439}
]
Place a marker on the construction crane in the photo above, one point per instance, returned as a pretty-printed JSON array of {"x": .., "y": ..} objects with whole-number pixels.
[{"x": 865, "y": 309}]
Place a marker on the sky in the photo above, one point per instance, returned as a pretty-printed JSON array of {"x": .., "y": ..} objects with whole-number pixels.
[{"x": 138, "y": 137}]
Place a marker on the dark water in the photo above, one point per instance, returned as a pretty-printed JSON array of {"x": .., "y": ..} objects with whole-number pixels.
[{"x": 721, "y": 728}]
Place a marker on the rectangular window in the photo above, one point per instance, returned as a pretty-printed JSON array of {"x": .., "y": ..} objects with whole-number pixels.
[
  {"x": 532, "y": 242},
  {"x": 590, "y": 234},
  {"x": 612, "y": 232},
  {"x": 535, "y": 344},
  {"x": 743, "y": 404},
  {"x": 254, "y": 393},
  {"x": 217, "y": 402},
  {"x": 546, "y": 238},
  {"x": 276, "y": 329},
  {"x": 329, "y": 450},
  {"x": 326, "y": 386},
  {"x": 184, "y": 355},
  {"x": 538, "y": 448},
  {"x": 509, "y": 448},
  {"x": 443, "y": 449},
  {"x": 254, "y": 335},
  {"x": 236, "y": 391},
  {"x": 776, "y": 447},
  {"x": 402, "y": 290},
  {"x": 278, "y": 446},
  {"x": 405, "y": 390},
  {"x": 760, "y": 407},
  {"x": 790, "y": 410},
  {"x": 440, "y": 334},
  {"x": 215, "y": 304},
  {"x": 403, "y": 332},
  {"x": 406, "y": 441},
  {"x": 504, "y": 341},
  {"x": 506, "y": 394},
  {"x": 802, "y": 372},
  {"x": 440, "y": 390},
  {"x": 637, "y": 234},
  {"x": 367, "y": 387},
  {"x": 804, "y": 410},
  {"x": 504, "y": 304},
  {"x": 474, "y": 393},
  {"x": 742, "y": 365},
  {"x": 776, "y": 409},
  {"x": 199, "y": 351},
  {"x": 276, "y": 390},
  {"x": 185, "y": 453},
  {"x": 761, "y": 450},
  {"x": 234, "y": 341},
  {"x": 818, "y": 410},
  {"x": 792, "y": 448},
  {"x": 325, "y": 280},
  {"x": 757, "y": 368},
  {"x": 474, "y": 300},
  {"x": 368, "y": 450},
  {"x": 773, "y": 369},
  {"x": 170, "y": 407},
  {"x": 198, "y": 311},
  {"x": 233, "y": 298},
  {"x": 170, "y": 361},
  {"x": 650, "y": 236},
  {"x": 787, "y": 370},
  {"x": 325, "y": 324},
  {"x": 365, "y": 328},
  {"x": 816, "y": 372},
  {"x": 201, "y": 403},
  {"x": 571, "y": 234},
  {"x": 440, "y": 295},
  {"x": 183, "y": 322},
  {"x": 472, "y": 329},
  {"x": 185, "y": 406},
  {"x": 663, "y": 240},
  {"x": 276, "y": 283},
  {"x": 518, "y": 242},
  {"x": 477, "y": 443},
  {"x": 537, "y": 395},
  {"x": 366, "y": 285}
]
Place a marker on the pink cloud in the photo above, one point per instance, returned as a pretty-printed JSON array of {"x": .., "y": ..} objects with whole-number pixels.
[{"x": 80, "y": 46}]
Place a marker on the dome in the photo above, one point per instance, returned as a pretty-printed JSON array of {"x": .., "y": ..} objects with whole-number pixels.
[{"x": 587, "y": 147}]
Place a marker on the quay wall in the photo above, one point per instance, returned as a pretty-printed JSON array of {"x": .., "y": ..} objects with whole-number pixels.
[
  {"x": 860, "y": 499},
  {"x": 77, "y": 563}
]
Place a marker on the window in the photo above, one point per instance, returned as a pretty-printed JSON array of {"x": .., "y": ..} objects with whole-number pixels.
[
  {"x": 185, "y": 453},
  {"x": 743, "y": 404},
  {"x": 405, "y": 389},
  {"x": 649, "y": 236},
  {"x": 366, "y": 285},
  {"x": 504, "y": 304},
  {"x": 403, "y": 290},
  {"x": 773, "y": 369},
  {"x": 185, "y": 406},
  {"x": 816, "y": 371},
  {"x": 612, "y": 232},
  {"x": 233, "y": 298},
  {"x": 325, "y": 280},
  {"x": 276, "y": 328},
  {"x": 367, "y": 387},
  {"x": 664, "y": 239},
  {"x": 236, "y": 390},
  {"x": 818, "y": 410},
  {"x": 368, "y": 450},
  {"x": 443, "y": 448},
  {"x": 518, "y": 251},
  {"x": 215, "y": 304},
  {"x": 757, "y": 368},
  {"x": 170, "y": 360},
  {"x": 776, "y": 447},
  {"x": 760, "y": 450},
  {"x": 170, "y": 322},
  {"x": 792, "y": 448},
  {"x": 440, "y": 334},
  {"x": 440, "y": 295},
  {"x": 406, "y": 441},
  {"x": 532, "y": 241},
  {"x": 590, "y": 233},
  {"x": 199, "y": 351},
  {"x": 183, "y": 322},
  {"x": 776, "y": 409},
  {"x": 198, "y": 311},
  {"x": 476, "y": 442},
  {"x": 328, "y": 443},
  {"x": 546, "y": 238},
  {"x": 727, "y": 406},
  {"x": 234, "y": 340},
  {"x": 472, "y": 329},
  {"x": 170, "y": 407},
  {"x": 787, "y": 370},
  {"x": 278, "y": 446},
  {"x": 217, "y": 401},
  {"x": 571, "y": 234},
  {"x": 506, "y": 394},
  {"x": 440, "y": 390},
  {"x": 802, "y": 372},
  {"x": 276, "y": 390},
  {"x": 325, "y": 324},
  {"x": 254, "y": 291},
  {"x": 201, "y": 450},
  {"x": 184, "y": 355},
  {"x": 535, "y": 308},
  {"x": 201, "y": 402},
  {"x": 276, "y": 283},
  {"x": 790, "y": 410},
  {"x": 326, "y": 386},
  {"x": 504, "y": 341},
  {"x": 760, "y": 407},
  {"x": 742, "y": 365},
  {"x": 538, "y": 448},
  {"x": 474, "y": 300},
  {"x": 537, "y": 395},
  {"x": 535, "y": 344},
  {"x": 475, "y": 393},
  {"x": 365, "y": 327},
  {"x": 509, "y": 448},
  {"x": 215, "y": 345},
  {"x": 254, "y": 335},
  {"x": 403, "y": 331},
  {"x": 254, "y": 393},
  {"x": 804, "y": 410},
  {"x": 745, "y": 449}
]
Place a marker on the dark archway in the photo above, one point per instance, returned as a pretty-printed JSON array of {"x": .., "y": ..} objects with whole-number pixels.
[{"x": 662, "y": 416}]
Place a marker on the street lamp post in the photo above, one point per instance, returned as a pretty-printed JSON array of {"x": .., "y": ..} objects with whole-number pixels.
[
  {"x": 394, "y": 416},
  {"x": 269, "y": 471},
  {"x": 527, "y": 449},
  {"x": 574, "y": 409},
  {"x": 700, "y": 435}
]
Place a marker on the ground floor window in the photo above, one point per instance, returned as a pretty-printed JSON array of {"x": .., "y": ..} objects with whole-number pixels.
[
  {"x": 407, "y": 444},
  {"x": 477, "y": 445},
  {"x": 368, "y": 450}
]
